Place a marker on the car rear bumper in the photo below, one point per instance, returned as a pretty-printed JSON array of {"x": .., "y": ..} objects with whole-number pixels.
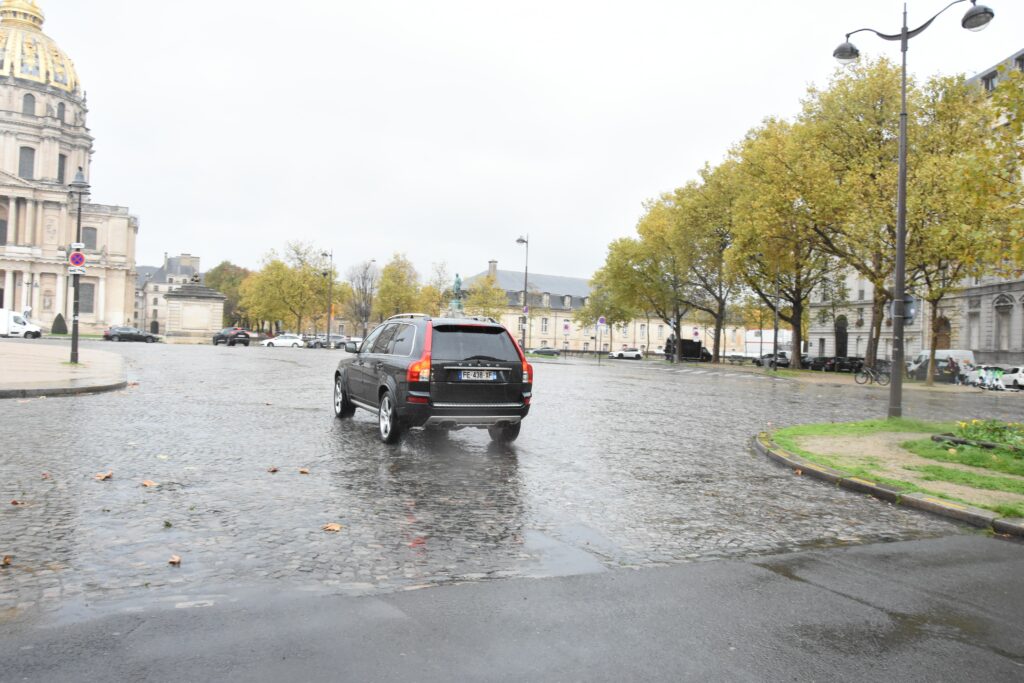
[{"x": 460, "y": 415}]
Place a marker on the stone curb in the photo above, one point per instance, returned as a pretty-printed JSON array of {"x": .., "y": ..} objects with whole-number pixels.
[
  {"x": 978, "y": 517},
  {"x": 62, "y": 391}
]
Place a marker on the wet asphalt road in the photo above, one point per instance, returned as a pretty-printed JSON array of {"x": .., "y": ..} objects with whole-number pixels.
[{"x": 623, "y": 465}]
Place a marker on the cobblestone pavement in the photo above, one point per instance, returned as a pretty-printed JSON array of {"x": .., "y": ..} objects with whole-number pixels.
[{"x": 617, "y": 466}]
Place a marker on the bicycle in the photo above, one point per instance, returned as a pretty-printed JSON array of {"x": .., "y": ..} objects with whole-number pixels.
[{"x": 866, "y": 375}]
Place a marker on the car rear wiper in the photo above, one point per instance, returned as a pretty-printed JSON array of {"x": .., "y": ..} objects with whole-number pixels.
[{"x": 485, "y": 358}]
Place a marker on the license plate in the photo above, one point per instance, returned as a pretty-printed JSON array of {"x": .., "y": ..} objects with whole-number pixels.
[{"x": 486, "y": 375}]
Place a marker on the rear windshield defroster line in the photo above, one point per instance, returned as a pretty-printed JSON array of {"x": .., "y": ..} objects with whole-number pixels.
[{"x": 457, "y": 342}]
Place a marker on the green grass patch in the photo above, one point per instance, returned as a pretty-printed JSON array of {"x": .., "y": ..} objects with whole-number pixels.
[
  {"x": 972, "y": 479},
  {"x": 996, "y": 459}
]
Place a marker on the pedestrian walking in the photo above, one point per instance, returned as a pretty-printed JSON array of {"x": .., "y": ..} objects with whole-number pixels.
[{"x": 954, "y": 371}]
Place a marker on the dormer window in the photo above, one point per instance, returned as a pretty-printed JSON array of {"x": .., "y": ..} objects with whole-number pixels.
[
  {"x": 989, "y": 81},
  {"x": 567, "y": 302},
  {"x": 546, "y": 301},
  {"x": 1019, "y": 63},
  {"x": 60, "y": 111}
]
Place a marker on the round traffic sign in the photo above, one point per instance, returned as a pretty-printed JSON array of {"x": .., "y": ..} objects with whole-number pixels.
[
  {"x": 601, "y": 320},
  {"x": 77, "y": 259}
]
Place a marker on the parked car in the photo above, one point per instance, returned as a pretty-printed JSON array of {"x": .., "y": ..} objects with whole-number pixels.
[
  {"x": 545, "y": 351},
  {"x": 436, "y": 373},
  {"x": 232, "y": 336},
  {"x": 631, "y": 353},
  {"x": 769, "y": 358},
  {"x": 821, "y": 363},
  {"x": 1014, "y": 378},
  {"x": 292, "y": 340},
  {"x": 847, "y": 364},
  {"x": 321, "y": 341},
  {"x": 118, "y": 333}
]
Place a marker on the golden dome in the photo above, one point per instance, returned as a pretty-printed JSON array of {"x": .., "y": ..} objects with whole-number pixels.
[{"x": 29, "y": 54}]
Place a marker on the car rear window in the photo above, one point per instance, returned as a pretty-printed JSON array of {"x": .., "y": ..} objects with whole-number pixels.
[{"x": 464, "y": 342}]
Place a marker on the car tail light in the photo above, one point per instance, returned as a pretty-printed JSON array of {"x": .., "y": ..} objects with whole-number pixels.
[
  {"x": 527, "y": 373},
  {"x": 419, "y": 371}
]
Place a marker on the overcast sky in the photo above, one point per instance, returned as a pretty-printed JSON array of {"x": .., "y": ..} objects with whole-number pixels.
[{"x": 445, "y": 130}]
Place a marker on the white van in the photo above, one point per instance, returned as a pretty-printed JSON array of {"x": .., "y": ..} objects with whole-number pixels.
[
  {"x": 942, "y": 356},
  {"x": 15, "y": 325}
]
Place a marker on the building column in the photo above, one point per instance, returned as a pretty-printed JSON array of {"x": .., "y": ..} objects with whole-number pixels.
[
  {"x": 58, "y": 302},
  {"x": 8, "y": 301},
  {"x": 101, "y": 298},
  {"x": 12, "y": 222},
  {"x": 30, "y": 221},
  {"x": 26, "y": 285}
]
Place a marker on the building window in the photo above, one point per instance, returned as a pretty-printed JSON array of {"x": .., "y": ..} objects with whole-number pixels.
[
  {"x": 1020, "y": 63},
  {"x": 86, "y": 297},
  {"x": 155, "y": 315},
  {"x": 89, "y": 238},
  {"x": 543, "y": 325},
  {"x": 27, "y": 163},
  {"x": 860, "y": 292},
  {"x": 28, "y": 105},
  {"x": 522, "y": 322},
  {"x": 155, "y": 301},
  {"x": 661, "y": 331},
  {"x": 62, "y": 168},
  {"x": 643, "y": 329},
  {"x": 546, "y": 300},
  {"x": 1004, "y": 315},
  {"x": 60, "y": 111},
  {"x": 989, "y": 81},
  {"x": 567, "y": 302},
  {"x": 586, "y": 346}
]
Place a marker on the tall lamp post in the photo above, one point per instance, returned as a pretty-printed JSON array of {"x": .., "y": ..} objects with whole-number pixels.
[
  {"x": 526, "y": 276},
  {"x": 78, "y": 188},
  {"x": 330, "y": 294},
  {"x": 976, "y": 18}
]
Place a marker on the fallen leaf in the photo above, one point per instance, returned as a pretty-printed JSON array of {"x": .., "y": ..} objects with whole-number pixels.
[
  {"x": 46, "y": 475},
  {"x": 175, "y": 560},
  {"x": 167, "y": 524},
  {"x": 303, "y": 470},
  {"x": 6, "y": 562},
  {"x": 798, "y": 472},
  {"x": 103, "y": 476},
  {"x": 268, "y": 403},
  {"x": 15, "y": 502},
  {"x": 333, "y": 527},
  {"x": 951, "y": 451},
  {"x": 162, "y": 457},
  {"x": 149, "y": 484},
  {"x": 271, "y": 469}
]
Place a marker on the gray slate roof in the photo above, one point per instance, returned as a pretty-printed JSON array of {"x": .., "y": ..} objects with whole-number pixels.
[{"x": 555, "y": 285}]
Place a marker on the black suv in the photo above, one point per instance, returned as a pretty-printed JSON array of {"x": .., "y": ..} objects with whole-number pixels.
[
  {"x": 436, "y": 373},
  {"x": 231, "y": 336}
]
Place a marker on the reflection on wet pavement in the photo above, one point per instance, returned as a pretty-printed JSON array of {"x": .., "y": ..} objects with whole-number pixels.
[{"x": 616, "y": 466}]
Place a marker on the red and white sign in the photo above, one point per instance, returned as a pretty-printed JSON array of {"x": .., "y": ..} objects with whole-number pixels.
[{"x": 77, "y": 259}]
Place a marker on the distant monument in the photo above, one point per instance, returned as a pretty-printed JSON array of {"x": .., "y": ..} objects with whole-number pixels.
[{"x": 455, "y": 308}]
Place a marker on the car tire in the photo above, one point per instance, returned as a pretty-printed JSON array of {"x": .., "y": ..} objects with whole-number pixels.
[
  {"x": 231, "y": 342},
  {"x": 270, "y": 344},
  {"x": 343, "y": 407},
  {"x": 215, "y": 342},
  {"x": 295, "y": 345},
  {"x": 150, "y": 340},
  {"x": 245, "y": 344},
  {"x": 505, "y": 434},
  {"x": 387, "y": 417},
  {"x": 115, "y": 338}
]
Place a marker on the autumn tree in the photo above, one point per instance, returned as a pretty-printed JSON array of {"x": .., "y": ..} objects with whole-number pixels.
[
  {"x": 485, "y": 297},
  {"x": 227, "y": 279},
  {"x": 363, "y": 281},
  {"x": 435, "y": 295},
  {"x": 399, "y": 287}
]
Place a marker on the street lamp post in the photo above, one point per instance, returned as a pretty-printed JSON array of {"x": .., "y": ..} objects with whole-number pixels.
[
  {"x": 79, "y": 188},
  {"x": 330, "y": 295},
  {"x": 526, "y": 276},
  {"x": 975, "y": 19}
]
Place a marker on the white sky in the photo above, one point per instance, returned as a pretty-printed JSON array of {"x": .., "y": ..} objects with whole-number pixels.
[{"x": 446, "y": 129}]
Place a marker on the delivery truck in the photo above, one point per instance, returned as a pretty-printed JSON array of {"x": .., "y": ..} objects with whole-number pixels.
[{"x": 16, "y": 325}]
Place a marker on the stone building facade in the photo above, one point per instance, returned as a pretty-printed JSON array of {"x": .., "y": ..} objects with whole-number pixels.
[
  {"x": 554, "y": 301},
  {"x": 43, "y": 141},
  {"x": 193, "y": 311},
  {"x": 152, "y": 286}
]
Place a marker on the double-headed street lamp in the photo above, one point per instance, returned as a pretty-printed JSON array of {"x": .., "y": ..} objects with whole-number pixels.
[
  {"x": 80, "y": 189},
  {"x": 976, "y": 18},
  {"x": 526, "y": 275}
]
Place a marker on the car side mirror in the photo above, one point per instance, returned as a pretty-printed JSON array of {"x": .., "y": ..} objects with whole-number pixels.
[{"x": 351, "y": 347}]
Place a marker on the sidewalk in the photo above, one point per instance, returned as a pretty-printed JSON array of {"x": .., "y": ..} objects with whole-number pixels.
[{"x": 29, "y": 368}]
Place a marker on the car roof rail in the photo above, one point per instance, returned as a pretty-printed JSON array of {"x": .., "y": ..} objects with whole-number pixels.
[
  {"x": 408, "y": 315},
  {"x": 484, "y": 319}
]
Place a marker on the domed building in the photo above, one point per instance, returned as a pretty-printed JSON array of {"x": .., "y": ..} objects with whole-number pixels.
[{"x": 44, "y": 140}]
